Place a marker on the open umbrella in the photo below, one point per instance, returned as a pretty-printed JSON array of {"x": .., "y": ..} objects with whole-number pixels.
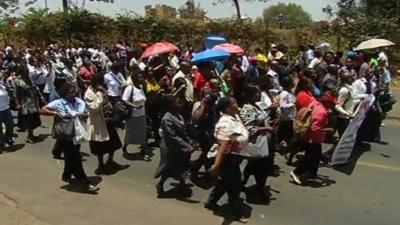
[
  {"x": 159, "y": 48},
  {"x": 210, "y": 55},
  {"x": 231, "y": 48},
  {"x": 374, "y": 43}
]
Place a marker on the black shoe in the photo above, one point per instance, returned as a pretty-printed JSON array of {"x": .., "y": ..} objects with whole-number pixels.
[
  {"x": 100, "y": 170},
  {"x": 10, "y": 142},
  {"x": 66, "y": 178},
  {"x": 211, "y": 206},
  {"x": 92, "y": 189},
  {"x": 160, "y": 190}
]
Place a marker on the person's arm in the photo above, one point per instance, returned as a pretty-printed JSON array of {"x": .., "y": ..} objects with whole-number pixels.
[
  {"x": 199, "y": 111},
  {"x": 127, "y": 96},
  {"x": 342, "y": 98},
  {"x": 223, "y": 150},
  {"x": 47, "y": 111}
]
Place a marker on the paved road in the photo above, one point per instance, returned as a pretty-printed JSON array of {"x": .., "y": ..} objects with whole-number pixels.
[{"x": 31, "y": 193}]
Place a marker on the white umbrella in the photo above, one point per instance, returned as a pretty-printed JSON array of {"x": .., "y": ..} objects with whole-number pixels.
[{"x": 374, "y": 43}]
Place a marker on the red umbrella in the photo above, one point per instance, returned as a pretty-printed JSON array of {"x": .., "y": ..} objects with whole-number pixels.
[
  {"x": 231, "y": 48},
  {"x": 159, "y": 48}
]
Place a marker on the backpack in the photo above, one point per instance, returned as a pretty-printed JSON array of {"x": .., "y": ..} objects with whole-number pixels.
[{"x": 302, "y": 122}]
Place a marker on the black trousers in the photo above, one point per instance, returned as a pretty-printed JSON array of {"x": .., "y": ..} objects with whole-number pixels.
[
  {"x": 73, "y": 165},
  {"x": 260, "y": 169},
  {"x": 230, "y": 182},
  {"x": 285, "y": 131},
  {"x": 342, "y": 125},
  {"x": 310, "y": 161}
]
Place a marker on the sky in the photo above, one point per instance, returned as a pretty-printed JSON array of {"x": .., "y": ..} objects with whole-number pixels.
[{"x": 253, "y": 10}]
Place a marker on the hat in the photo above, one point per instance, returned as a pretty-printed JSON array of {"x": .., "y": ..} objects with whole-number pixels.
[{"x": 273, "y": 45}]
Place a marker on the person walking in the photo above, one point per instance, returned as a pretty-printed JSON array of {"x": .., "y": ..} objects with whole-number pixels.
[
  {"x": 312, "y": 144},
  {"x": 104, "y": 138},
  {"x": 136, "y": 125},
  {"x": 65, "y": 109},
  {"x": 257, "y": 123},
  {"x": 175, "y": 146},
  {"x": 232, "y": 137},
  {"x": 28, "y": 98},
  {"x": 5, "y": 116}
]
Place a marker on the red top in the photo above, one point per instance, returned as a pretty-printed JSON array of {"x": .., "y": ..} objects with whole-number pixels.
[
  {"x": 328, "y": 100},
  {"x": 200, "y": 82},
  {"x": 87, "y": 73},
  {"x": 303, "y": 99},
  {"x": 319, "y": 121}
]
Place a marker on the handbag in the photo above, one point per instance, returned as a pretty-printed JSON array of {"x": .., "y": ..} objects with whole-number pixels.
[
  {"x": 259, "y": 149},
  {"x": 64, "y": 129}
]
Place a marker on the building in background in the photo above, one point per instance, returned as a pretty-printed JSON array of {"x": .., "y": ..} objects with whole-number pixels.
[
  {"x": 190, "y": 11},
  {"x": 160, "y": 11}
]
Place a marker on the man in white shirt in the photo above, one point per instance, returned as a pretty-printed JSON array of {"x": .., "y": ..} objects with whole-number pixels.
[
  {"x": 183, "y": 74},
  {"x": 115, "y": 81}
]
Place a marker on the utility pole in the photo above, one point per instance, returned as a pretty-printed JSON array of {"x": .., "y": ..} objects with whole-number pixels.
[
  {"x": 46, "y": 6},
  {"x": 65, "y": 5}
]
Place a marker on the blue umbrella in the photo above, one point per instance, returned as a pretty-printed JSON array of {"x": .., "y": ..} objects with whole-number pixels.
[{"x": 210, "y": 55}]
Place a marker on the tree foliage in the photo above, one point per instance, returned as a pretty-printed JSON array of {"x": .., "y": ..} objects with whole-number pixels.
[
  {"x": 364, "y": 19},
  {"x": 38, "y": 28},
  {"x": 294, "y": 16}
]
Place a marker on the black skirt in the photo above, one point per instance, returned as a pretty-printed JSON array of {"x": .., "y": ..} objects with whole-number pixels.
[
  {"x": 105, "y": 147},
  {"x": 29, "y": 122}
]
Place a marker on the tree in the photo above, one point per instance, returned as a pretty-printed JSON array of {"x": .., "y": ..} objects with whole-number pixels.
[
  {"x": 236, "y": 3},
  {"x": 288, "y": 15}
]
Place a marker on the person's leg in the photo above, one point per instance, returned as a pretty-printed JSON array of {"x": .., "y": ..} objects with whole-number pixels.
[
  {"x": 305, "y": 161},
  {"x": 68, "y": 160},
  {"x": 315, "y": 153},
  {"x": 77, "y": 164},
  {"x": 9, "y": 126},
  {"x": 160, "y": 184},
  {"x": 342, "y": 125},
  {"x": 233, "y": 184},
  {"x": 57, "y": 150},
  {"x": 2, "y": 138}
]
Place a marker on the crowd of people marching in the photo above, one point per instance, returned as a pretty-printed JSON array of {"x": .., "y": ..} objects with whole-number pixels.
[{"x": 244, "y": 109}]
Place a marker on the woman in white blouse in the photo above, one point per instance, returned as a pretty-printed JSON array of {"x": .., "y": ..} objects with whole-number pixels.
[{"x": 136, "y": 126}]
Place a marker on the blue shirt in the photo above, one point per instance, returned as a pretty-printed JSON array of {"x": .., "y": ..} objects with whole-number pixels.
[{"x": 67, "y": 108}]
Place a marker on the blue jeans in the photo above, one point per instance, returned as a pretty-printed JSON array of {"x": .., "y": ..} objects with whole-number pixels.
[{"x": 7, "y": 119}]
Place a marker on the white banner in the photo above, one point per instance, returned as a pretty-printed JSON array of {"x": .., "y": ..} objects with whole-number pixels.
[{"x": 345, "y": 146}]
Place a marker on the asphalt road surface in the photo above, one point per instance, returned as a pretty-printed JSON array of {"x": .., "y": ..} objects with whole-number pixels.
[{"x": 366, "y": 192}]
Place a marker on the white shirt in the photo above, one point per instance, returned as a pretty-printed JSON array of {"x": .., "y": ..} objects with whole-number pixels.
[
  {"x": 4, "y": 99},
  {"x": 174, "y": 62},
  {"x": 382, "y": 56},
  {"x": 114, "y": 83},
  {"x": 314, "y": 62},
  {"x": 265, "y": 103},
  {"x": 276, "y": 85},
  {"x": 287, "y": 106},
  {"x": 345, "y": 105},
  {"x": 39, "y": 75},
  {"x": 360, "y": 89},
  {"x": 189, "y": 94},
  {"x": 137, "y": 97},
  {"x": 245, "y": 64}
]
